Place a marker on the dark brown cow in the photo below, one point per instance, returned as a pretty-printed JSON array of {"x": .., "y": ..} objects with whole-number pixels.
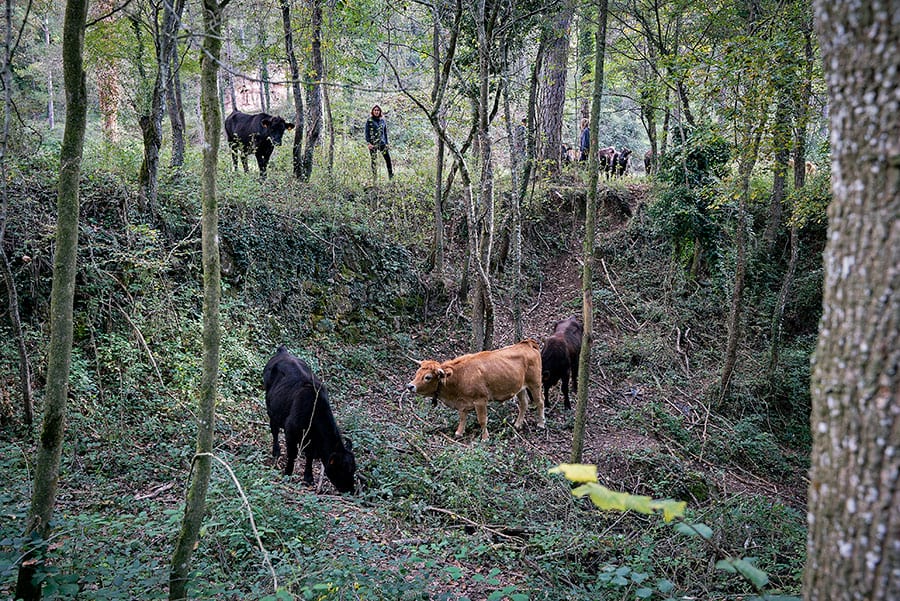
[
  {"x": 559, "y": 357},
  {"x": 471, "y": 381}
]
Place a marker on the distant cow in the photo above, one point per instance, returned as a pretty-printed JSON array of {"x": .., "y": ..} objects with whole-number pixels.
[
  {"x": 605, "y": 158},
  {"x": 470, "y": 381},
  {"x": 620, "y": 162},
  {"x": 559, "y": 357},
  {"x": 298, "y": 402},
  {"x": 258, "y": 134}
]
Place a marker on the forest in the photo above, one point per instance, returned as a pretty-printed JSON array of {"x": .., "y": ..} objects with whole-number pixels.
[{"x": 191, "y": 190}]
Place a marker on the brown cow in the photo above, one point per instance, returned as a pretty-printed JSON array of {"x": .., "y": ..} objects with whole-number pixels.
[{"x": 470, "y": 381}]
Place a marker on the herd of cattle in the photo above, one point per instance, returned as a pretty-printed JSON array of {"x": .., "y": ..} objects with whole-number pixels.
[{"x": 297, "y": 401}]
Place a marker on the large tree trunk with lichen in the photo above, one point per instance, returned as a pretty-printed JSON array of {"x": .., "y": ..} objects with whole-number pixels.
[
  {"x": 854, "y": 497},
  {"x": 206, "y": 413},
  {"x": 553, "y": 92},
  {"x": 59, "y": 357}
]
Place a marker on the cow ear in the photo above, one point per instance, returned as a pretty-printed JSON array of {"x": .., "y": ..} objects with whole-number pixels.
[
  {"x": 289, "y": 126},
  {"x": 445, "y": 373},
  {"x": 266, "y": 123}
]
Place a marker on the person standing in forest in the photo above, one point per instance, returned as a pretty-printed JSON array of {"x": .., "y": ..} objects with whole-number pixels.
[
  {"x": 584, "y": 141},
  {"x": 377, "y": 141}
]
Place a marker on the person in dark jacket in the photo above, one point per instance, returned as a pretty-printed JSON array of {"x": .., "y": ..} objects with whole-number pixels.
[
  {"x": 584, "y": 142},
  {"x": 377, "y": 140}
]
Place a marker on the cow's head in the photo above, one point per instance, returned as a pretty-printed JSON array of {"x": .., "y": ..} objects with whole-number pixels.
[
  {"x": 429, "y": 375},
  {"x": 275, "y": 127},
  {"x": 341, "y": 468}
]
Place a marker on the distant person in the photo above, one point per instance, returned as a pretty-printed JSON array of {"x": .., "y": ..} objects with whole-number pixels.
[
  {"x": 584, "y": 142},
  {"x": 377, "y": 140}
]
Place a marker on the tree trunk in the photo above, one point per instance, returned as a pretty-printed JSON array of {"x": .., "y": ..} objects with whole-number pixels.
[
  {"x": 229, "y": 78},
  {"x": 482, "y": 233},
  {"x": 150, "y": 117},
  {"x": 51, "y": 111},
  {"x": 212, "y": 125},
  {"x": 745, "y": 170},
  {"x": 801, "y": 119},
  {"x": 13, "y": 298},
  {"x": 781, "y": 140},
  {"x": 297, "y": 147},
  {"x": 590, "y": 220},
  {"x": 173, "y": 92},
  {"x": 553, "y": 96},
  {"x": 109, "y": 91},
  {"x": 515, "y": 201},
  {"x": 59, "y": 357},
  {"x": 265, "y": 98},
  {"x": 854, "y": 499},
  {"x": 313, "y": 89}
]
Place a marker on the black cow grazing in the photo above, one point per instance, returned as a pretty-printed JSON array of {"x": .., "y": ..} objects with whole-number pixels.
[
  {"x": 559, "y": 357},
  {"x": 620, "y": 162},
  {"x": 297, "y": 401},
  {"x": 259, "y": 134}
]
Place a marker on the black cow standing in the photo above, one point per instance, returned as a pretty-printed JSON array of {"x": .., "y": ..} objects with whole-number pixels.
[
  {"x": 297, "y": 401},
  {"x": 259, "y": 134},
  {"x": 559, "y": 357}
]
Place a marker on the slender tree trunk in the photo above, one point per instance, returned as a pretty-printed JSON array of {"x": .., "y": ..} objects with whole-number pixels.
[
  {"x": 314, "y": 90},
  {"x": 265, "y": 98},
  {"x": 515, "y": 201},
  {"x": 745, "y": 169},
  {"x": 13, "y": 298},
  {"x": 173, "y": 92},
  {"x": 781, "y": 140},
  {"x": 46, "y": 473},
  {"x": 482, "y": 233},
  {"x": 854, "y": 496},
  {"x": 51, "y": 112},
  {"x": 801, "y": 119},
  {"x": 553, "y": 95},
  {"x": 109, "y": 90},
  {"x": 229, "y": 77},
  {"x": 297, "y": 147},
  {"x": 202, "y": 462},
  {"x": 590, "y": 220}
]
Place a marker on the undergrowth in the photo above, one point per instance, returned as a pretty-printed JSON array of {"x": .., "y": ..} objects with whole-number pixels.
[{"x": 336, "y": 270}]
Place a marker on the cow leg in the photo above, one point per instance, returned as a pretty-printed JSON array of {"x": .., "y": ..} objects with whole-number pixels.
[
  {"x": 276, "y": 450},
  {"x": 536, "y": 391},
  {"x": 292, "y": 443},
  {"x": 565, "y": 390},
  {"x": 522, "y": 400},
  {"x": 262, "y": 161},
  {"x": 308, "y": 468},
  {"x": 460, "y": 430},
  {"x": 244, "y": 162},
  {"x": 481, "y": 412}
]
